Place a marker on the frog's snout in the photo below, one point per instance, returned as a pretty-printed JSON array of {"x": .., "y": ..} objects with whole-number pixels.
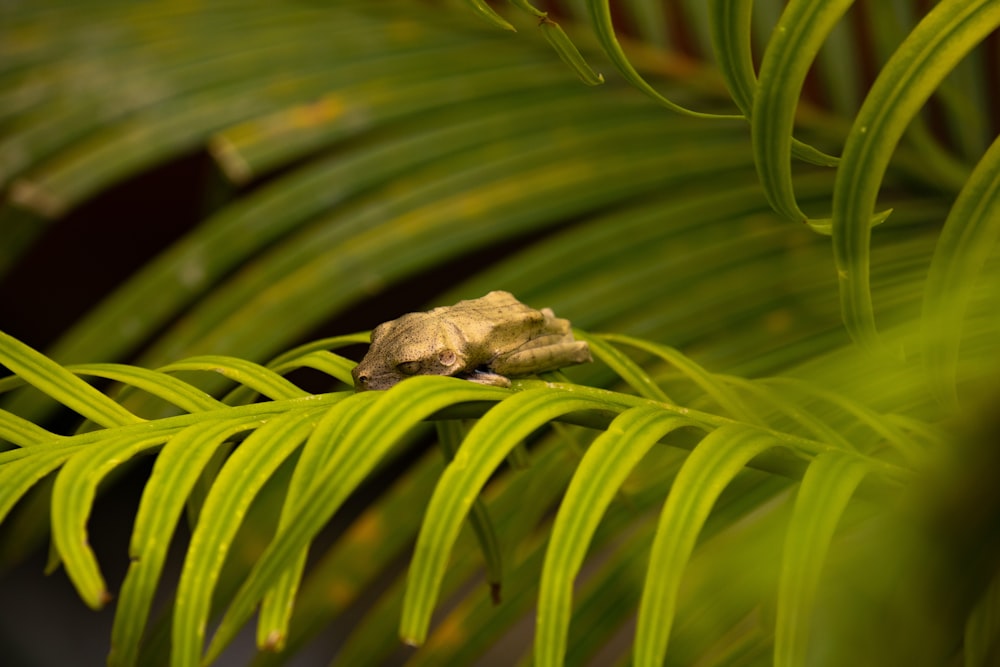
[
  {"x": 361, "y": 378},
  {"x": 370, "y": 376}
]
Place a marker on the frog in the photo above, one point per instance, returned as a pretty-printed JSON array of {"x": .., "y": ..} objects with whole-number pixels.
[{"x": 488, "y": 340}]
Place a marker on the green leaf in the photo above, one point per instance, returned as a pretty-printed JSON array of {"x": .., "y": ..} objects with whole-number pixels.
[
  {"x": 377, "y": 538},
  {"x": 485, "y": 12},
  {"x": 245, "y": 373},
  {"x": 711, "y": 466},
  {"x": 624, "y": 367},
  {"x": 942, "y": 38},
  {"x": 939, "y": 167},
  {"x": 606, "y": 603},
  {"x": 790, "y": 52},
  {"x": 604, "y": 467},
  {"x": 289, "y": 358},
  {"x": 18, "y": 476},
  {"x": 730, "y": 21},
  {"x": 56, "y": 100},
  {"x": 318, "y": 356},
  {"x": 891, "y": 434},
  {"x": 21, "y": 432},
  {"x": 170, "y": 425},
  {"x": 727, "y": 399},
  {"x": 155, "y": 383},
  {"x": 518, "y": 503},
  {"x": 276, "y": 607},
  {"x": 450, "y": 434},
  {"x": 256, "y": 86},
  {"x": 570, "y": 55},
  {"x": 386, "y": 417},
  {"x": 174, "y": 475},
  {"x": 60, "y": 384},
  {"x": 72, "y": 497},
  {"x": 968, "y": 237},
  {"x": 730, "y": 31},
  {"x": 263, "y": 144},
  {"x": 600, "y": 12},
  {"x": 242, "y": 476},
  {"x": 826, "y": 489},
  {"x": 805, "y": 419},
  {"x": 484, "y": 448}
]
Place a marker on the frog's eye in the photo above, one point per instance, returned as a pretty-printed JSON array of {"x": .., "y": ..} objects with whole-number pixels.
[{"x": 408, "y": 367}]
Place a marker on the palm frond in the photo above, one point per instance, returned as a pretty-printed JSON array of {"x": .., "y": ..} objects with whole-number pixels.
[
  {"x": 934, "y": 47},
  {"x": 337, "y": 440},
  {"x": 373, "y": 147}
]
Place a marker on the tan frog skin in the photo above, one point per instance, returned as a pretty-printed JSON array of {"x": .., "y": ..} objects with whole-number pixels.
[{"x": 486, "y": 340}]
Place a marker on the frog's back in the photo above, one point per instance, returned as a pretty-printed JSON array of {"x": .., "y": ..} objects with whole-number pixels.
[
  {"x": 493, "y": 323},
  {"x": 498, "y": 308}
]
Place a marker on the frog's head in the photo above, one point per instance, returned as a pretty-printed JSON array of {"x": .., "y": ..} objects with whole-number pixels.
[{"x": 414, "y": 344}]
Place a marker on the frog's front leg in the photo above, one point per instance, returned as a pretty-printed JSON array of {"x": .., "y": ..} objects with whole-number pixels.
[
  {"x": 488, "y": 378},
  {"x": 542, "y": 354}
]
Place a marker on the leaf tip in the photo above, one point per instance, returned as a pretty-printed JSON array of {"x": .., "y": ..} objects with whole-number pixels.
[
  {"x": 274, "y": 642},
  {"x": 487, "y": 13},
  {"x": 568, "y": 52},
  {"x": 100, "y": 600},
  {"x": 881, "y": 217}
]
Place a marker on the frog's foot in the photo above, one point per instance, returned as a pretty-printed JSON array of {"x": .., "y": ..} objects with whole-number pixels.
[{"x": 488, "y": 378}]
